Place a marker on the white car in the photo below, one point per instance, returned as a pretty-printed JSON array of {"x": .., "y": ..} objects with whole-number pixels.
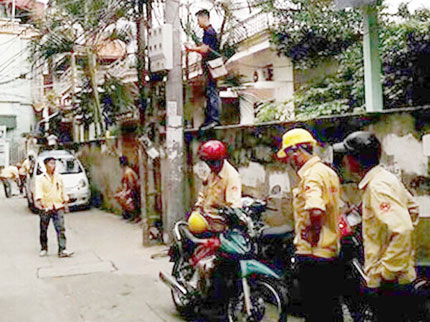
[{"x": 75, "y": 180}]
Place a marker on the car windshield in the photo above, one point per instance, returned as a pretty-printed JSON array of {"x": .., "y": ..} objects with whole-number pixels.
[
  {"x": 68, "y": 166},
  {"x": 63, "y": 166}
]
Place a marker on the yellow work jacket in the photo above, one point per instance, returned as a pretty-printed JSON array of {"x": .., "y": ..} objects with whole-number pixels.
[
  {"x": 318, "y": 188},
  {"x": 25, "y": 167},
  {"x": 10, "y": 172},
  {"x": 219, "y": 190},
  {"x": 389, "y": 216},
  {"x": 50, "y": 191}
]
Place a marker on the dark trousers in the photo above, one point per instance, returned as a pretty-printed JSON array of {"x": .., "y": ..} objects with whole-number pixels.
[
  {"x": 213, "y": 102},
  {"x": 7, "y": 188},
  {"x": 319, "y": 285},
  {"x": 58, "y": 219},
  {"x": 392, "y": 302}
]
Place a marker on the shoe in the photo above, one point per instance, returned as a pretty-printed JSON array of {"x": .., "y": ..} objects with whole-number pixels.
[
  {"x": 65, "y": 253},
  {"x": 43, "y": 253},
  {"x": 208, "y": 126}
]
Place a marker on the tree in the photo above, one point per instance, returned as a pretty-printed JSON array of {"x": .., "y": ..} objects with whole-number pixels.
[
  {"x": 80, "y": 28},
  {"x": 319, "y": 35}
]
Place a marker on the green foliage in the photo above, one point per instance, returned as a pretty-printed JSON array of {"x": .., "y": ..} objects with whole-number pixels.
[
  {"x": 116, "y": 97},
  {"x": 79, "y": 27},
  {"x": 312, "y": 33},
  {"x": 270, "y": 110},
  {"x": 405, "y": 55}
]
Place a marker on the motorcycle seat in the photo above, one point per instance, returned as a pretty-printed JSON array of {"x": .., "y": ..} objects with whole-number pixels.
[{"x": 283, "y": 231}]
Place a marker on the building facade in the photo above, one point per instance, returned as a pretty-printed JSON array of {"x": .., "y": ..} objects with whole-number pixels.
[{"x": 20, "y": 85}]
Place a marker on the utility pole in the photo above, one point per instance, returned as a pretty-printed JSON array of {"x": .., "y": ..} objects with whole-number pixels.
[
  {"x": 141, "y": 75},
  {"x": 372, "y": 61},
  {"x": 73, "y": 86},
  {"x": 174, "y": 128}
]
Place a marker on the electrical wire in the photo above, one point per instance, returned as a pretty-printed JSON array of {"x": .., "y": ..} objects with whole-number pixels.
[{"x": 7, "y": 63}]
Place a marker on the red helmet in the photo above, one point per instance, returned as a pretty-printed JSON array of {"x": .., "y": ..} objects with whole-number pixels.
[{"x": 212, "y": 150}]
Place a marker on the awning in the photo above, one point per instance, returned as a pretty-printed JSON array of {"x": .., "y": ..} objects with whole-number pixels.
[
  {"x": 8, "y": 120},
  {"x": 248, "y": 52}
]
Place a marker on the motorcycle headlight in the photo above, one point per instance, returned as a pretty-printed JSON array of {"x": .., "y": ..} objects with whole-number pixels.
[{"x": 82, "y": 184}]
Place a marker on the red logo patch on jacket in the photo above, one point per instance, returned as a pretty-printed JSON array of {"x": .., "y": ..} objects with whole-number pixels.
[{"x": 385, "y": 206}]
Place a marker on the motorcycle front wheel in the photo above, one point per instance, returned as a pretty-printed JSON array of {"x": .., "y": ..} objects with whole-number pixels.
[
  {"x": 268, "y": 304},
  {"x": 182, "y": 272}
]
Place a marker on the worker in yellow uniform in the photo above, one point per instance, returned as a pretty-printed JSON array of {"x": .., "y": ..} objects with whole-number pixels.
[
  {"x": 316, "y": 202},
  {"x": 9, "y": 175},
  {"x": 51, "y": 200},
  {"x": 389, "y": 218},
  {"x": 24, "y": 170},
  {"x": 222, "y": 188}
]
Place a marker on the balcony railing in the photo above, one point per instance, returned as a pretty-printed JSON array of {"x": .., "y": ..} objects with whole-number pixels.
[
  {"x": 253, "y": 25},
  {"x": 121, "y": 69}
]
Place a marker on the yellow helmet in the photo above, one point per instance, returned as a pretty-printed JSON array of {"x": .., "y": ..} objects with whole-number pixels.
[
  {"x": 294, "y": 137},
  {"x": 197, "y": 224}
]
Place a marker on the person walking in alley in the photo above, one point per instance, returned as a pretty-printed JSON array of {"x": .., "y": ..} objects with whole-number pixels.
[
  {"x": 316, "y": 203},
  {"x": 129, "y": 194},
  {"x": 23, "y": 172},
  {"x": 8, "y": 176},
  {"x": 389, "y": 216},
  {"x": 51, "y": 200},
  {"x": 222, "y": 187},
  {"x": 208, "y": 50}
]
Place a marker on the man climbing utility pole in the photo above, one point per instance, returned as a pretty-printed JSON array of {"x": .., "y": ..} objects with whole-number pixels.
[{"x": 174, "y": 128}]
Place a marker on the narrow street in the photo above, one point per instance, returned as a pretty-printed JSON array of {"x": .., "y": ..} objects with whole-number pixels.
[{"x": 111, "y": 277}]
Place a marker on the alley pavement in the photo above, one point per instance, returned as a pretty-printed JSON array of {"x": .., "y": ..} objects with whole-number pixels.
[{"x": 111, "y": 277}]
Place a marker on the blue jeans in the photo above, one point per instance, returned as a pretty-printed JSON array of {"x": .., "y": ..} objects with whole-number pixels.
[
  {"x": 58, "y": 219},
  {"x": 213, "y": 103}
]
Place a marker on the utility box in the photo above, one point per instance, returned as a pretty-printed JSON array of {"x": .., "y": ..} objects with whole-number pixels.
[{"x": 160, "y": 48}]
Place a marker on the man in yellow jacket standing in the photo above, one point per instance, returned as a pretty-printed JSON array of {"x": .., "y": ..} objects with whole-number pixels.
[
  {"x": 52, "y": 200},
  {"x": 389, "y": 218},
  {"x": 316, "y": 214}
]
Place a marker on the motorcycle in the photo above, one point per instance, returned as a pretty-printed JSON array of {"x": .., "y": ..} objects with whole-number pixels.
[
  {"x": 219, "y": 278},
  {"x": 275, "y": 248}
]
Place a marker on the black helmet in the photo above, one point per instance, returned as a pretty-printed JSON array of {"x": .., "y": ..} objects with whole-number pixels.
[{"x": 359, "y": 144}]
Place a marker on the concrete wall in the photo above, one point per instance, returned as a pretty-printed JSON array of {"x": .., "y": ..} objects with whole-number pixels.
[
  {"x": 252, "y": 149},
  {"x": 101, "y": 162}
]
